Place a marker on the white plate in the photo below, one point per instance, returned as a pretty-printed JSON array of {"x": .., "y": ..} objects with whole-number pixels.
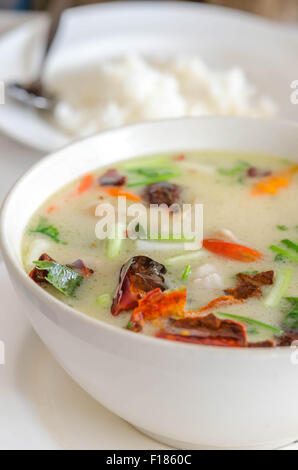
[
  {"x": 222, "y": 37},
  {"x": 40, "y": 406}
]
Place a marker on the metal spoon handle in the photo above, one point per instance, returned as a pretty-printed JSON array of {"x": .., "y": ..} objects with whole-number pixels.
[
  {"x": 33, "y": 94},
  {"x": 56, "y": 9}
]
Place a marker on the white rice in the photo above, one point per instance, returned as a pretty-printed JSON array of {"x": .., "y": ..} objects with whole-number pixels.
[{"x": 132, "y": 89}]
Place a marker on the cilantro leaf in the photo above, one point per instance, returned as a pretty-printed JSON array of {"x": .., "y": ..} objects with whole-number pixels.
[
  {"x": 291, "y": 320},
  {"x": 62, "y": 277},
  {"x": 238, "y": 169},
  {"x": 279, "y": 258},
  {"x": 145, "y": 176},
  {"x": 48, "y": 230}
]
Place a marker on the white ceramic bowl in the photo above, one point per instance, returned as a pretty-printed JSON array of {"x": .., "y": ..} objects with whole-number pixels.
[{"x": 188, "y": 396}]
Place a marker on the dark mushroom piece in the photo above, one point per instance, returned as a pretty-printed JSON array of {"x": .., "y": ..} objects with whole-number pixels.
[
  {"x": 137, "y": 277},
  {"x": 112, "y": 178},
  {"x": 254, "y": 172},
  {"x": 163, "y": 193},
  {"x": 249, "y": 285},
  {"x": 288, "y": 338}
]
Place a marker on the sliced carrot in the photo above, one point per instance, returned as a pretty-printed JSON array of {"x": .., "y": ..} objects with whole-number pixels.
[
  {"x": 232, "y": 250},
  {"x": 179, "y": 158},
  {"x": 86, "y": 183},
  {"x": 224, "y": 300},
  {"x": 117, "y": 192},
  {"x": 51, "y": 209},
  {"x": 272, "y": 184}
]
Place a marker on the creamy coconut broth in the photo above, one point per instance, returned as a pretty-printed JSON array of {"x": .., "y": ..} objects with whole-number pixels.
[{"x": 241, "y": 288}]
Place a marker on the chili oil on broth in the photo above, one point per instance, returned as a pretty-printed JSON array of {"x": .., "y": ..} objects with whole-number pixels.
[{"x": 228, "y": 204}]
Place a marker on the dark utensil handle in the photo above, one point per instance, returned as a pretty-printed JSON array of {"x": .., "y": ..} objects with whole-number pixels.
[{"x": 56, "y": 9}]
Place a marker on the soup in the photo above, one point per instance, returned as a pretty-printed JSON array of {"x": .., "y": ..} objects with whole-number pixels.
[{"x": 238, "y": 290}]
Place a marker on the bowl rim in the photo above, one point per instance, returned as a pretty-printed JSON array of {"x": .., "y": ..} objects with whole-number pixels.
[{"x": 98, "y": 324}]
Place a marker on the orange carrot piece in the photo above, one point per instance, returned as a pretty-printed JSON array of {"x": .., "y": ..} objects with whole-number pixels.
[
  {"x": 117, "y": 192},
  {"x": 86, "y": 183},
  {"x": 232, "y": 250},
  {"x": 179, "y": 158},
  {"x": 51, "y": 209},
  {"x": 272, "y": 184},
  {"x": 224, "y": 300}
]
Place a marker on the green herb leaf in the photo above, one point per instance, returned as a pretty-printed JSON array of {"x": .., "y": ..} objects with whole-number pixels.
[
  {"x": 291, "y": 245},
  {"x": 292, "y": 299},
  {"x": 150, "y": 175},
  {"x": 151, "y": 172},
  {"x": 250, "y": 321},
  {"x": 291, "y": 320},
  {"x": 234, "y": 171},
  {"x": 280, "y": 259},
  {"x": 48, "y": 230},
  {"x": 283, "y": 228},
  {"x": 253, "y": 331},
  {"x": 186, "y": 273},
  {"x": 147, "y": 162},
  {"x": 285, "y": 253},
  {"x": 62, "y": 277}
]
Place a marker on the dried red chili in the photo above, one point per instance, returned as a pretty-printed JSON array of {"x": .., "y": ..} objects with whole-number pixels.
[
  {"x": 39, "y": 275},
  {"x": 137, "y": 277},
  {"x": 80, "y": 268},
  {"x": 207, "y": 330},
  {"x": 158, "y": 304}
]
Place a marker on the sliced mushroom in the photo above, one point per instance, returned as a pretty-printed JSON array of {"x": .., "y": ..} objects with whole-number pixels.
[
  {"x": 249, "y": 285},
  {"x": 112, "y": 178},
  {"x": 163, "y": 193}
]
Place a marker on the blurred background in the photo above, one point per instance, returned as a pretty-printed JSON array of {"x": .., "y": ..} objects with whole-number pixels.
[
  {"x": 262, "y": 58},
  {"x": 283, "y": 10}
]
